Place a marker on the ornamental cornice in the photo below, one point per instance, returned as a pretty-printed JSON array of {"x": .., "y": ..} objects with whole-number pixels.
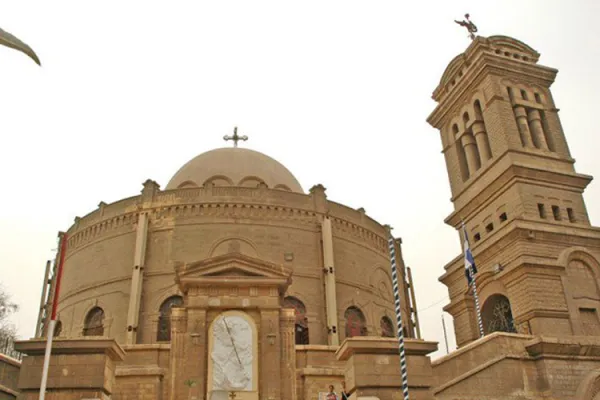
[{"x": 223, "y": 204}]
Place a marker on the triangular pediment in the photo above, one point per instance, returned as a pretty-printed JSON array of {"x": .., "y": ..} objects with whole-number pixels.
[
  {"x": 231, "y": 268},
  {"x": 233, "y": 272}
]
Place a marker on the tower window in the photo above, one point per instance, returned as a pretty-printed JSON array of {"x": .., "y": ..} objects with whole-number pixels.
[
  {"x": 503, "y": 217},
  {"x": 477, "y": 237},
  {"x": 489, "y": 227},
  {"x": 524, "y": 94},
  {"x": 556, "y": 212},
  {"x": 571, "y": 215},
  {"x": 538, "y": 98},
  {"x": 542, "y": 210}
]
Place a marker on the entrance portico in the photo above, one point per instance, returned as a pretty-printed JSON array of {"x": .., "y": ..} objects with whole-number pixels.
[{"x": 232, "y": 339}]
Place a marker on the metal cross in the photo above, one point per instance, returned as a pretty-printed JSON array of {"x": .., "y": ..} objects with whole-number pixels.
[
  {"x": 235, "y": 137},
  {"x": 232, "y": 395},
  {"x": 469, "y": 25}
]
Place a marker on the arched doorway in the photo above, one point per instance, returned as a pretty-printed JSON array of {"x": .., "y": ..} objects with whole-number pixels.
[
  {"x": 301, "y": 326},
  {"x": 496, "y": 315}
]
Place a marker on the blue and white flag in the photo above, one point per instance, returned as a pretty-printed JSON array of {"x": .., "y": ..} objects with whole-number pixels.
[{"x": 470, "y": 268}]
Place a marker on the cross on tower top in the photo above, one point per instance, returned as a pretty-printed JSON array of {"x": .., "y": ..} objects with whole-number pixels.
[{"x": 236, "y": 138}]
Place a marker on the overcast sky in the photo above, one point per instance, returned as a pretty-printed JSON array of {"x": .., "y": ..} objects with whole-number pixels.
[{"x": 338, "y": 91}]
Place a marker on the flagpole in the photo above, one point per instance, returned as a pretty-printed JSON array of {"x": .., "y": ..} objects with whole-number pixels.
[
  {"x": 445, "y": 334},
  {"x": 471, "y": 272},
  {"x": 477, "y": 309},
  {"x": 52, "y": 324},
  {"x": 403, "y": 370}
]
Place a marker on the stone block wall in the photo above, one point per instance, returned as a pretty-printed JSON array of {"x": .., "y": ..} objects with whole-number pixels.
[
  {"x": 372, "y": 367},
  {"x": 83, "y": 368},
  {"x": 515, "y": 367},
  {"x": 9, "y": 377}
]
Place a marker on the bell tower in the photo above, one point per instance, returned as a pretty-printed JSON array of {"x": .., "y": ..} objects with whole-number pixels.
[{"x": 514, "y": 185}]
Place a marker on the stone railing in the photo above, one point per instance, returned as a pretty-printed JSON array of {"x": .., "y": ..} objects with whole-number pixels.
[{"x": 476, "y": 355}]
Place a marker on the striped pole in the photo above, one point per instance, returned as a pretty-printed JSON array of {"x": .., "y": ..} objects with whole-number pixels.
[
  {"x": 471, "y": 271},
  {"x": 477, "y": 309},
  {"x": 398, "y": 318}
]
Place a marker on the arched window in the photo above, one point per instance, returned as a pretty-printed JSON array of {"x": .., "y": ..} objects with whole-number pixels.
[
  {"x": 356, "y": 324},
  {"x": 460, "y": 153},
  {"x": 164, "y": 320},
  {"x": 94, "y": 322},
  {"x": 497, "y": 315},
  {"x": 57, "y": 328},
  {"x": 301, "y": 326},
  {"x": 387, "y": 327},
  {"x": 466, "y": 118}
]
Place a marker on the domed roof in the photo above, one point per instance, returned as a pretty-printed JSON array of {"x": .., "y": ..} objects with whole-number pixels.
[{"x": 234, "y": 166}]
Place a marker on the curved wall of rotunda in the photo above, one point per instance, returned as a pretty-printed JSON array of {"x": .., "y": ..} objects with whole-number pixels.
[{"x": 192, "y": 224}]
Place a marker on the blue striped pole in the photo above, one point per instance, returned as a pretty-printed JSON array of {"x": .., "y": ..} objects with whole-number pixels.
[
  {"x": 398, "y": 318},
  {"x": 477, "y": 309},
  {"x": 471, "y": 271}
]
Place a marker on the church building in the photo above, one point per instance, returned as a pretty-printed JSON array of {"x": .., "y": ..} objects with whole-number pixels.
[{"x": 233, "y": 282}]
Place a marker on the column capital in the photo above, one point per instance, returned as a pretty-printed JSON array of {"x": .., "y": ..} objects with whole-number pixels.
[
  {"x": 533, "y": 115},
  {"x": 467, "y": 139}
]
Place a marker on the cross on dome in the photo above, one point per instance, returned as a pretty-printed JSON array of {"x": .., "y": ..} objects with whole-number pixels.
[{"x": 235, "y": 137}]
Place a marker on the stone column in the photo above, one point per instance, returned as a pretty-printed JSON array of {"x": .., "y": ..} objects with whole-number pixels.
[
  {"x": 330, "y": 293},
  {"x": 521, "y": 116},
  {"x": 464, "y": 317},
  {"x": 482, "y": 140},
  {"x": 135, "y": 294},
  {"x": 196, "y": 352},
  {"x": 535, "y": 123},
  {"x": 287, "y": 320},
  {"x": 270, "y": 355},
  {"x": 177, "y": 355},
  {"x": 468, "y": 143}
]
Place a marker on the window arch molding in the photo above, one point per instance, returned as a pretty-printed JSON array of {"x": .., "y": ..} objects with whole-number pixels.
[
  {"x": 580, "y": 254},
  {"x": 94, "y": 322},
  {"x": 58, "y": 328},
  {"x": 90, "y": 305},
  {"x": 355, "y": 322},
  {"x": 386, "y": 325},
  {"x": 496, "y": 314},
  {"x": 589, "y": 386},
  {"x": 301, "y": 331},
  {"x": 163, "y": 330}
]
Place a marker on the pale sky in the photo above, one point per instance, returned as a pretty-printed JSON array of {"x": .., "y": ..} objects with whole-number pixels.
[{"x": 338, "y": 91}]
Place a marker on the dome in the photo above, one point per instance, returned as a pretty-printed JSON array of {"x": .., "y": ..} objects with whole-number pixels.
[{"x": 234, "y": 166}]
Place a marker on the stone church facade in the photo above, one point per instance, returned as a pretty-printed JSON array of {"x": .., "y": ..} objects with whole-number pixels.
[{"x": 234, "y": 283}]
